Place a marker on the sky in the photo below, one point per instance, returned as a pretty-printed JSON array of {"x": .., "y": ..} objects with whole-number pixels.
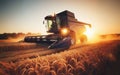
[{"x": 28, "y": 15}]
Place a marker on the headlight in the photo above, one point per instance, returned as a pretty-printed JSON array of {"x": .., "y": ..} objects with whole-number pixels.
[{"x": 64, "y": 31}]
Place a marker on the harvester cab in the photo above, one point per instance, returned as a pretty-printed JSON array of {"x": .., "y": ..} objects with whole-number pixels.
[
  {"x": 65, "y": 30},
  {"x": 51, "y": 24}
]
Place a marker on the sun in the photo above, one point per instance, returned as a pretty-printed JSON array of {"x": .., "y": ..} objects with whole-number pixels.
[{"x": 89, "y": 32}]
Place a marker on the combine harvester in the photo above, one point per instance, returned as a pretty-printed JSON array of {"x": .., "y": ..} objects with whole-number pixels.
[{"x": 65, "y": 31}]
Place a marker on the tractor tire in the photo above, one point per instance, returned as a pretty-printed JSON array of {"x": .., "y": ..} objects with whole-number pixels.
[{"x": 83, "y": 39}]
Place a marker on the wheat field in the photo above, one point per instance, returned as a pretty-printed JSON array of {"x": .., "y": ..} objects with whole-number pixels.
[{"x": 96, "y": 59}]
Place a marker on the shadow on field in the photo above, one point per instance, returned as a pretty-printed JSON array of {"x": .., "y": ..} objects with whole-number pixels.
[
  {"x": 60, "y": 45},
  {"x": 57, "y": 48}
]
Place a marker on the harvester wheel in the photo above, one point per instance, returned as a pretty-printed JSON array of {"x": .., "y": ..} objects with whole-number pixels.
[{"x": 83, "y": 39}]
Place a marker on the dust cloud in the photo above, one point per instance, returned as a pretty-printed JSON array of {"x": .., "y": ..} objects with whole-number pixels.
[
  {"x": 99, "y": 38},
  {"x": 12, "y": 40}
]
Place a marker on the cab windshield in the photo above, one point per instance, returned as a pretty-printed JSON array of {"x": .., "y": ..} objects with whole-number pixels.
[
  {"x": 52, "y": 25},
  {"x": 48, "y": 24}
]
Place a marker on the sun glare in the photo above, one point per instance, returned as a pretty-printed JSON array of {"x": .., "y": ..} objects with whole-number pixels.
[{"x": 89, "y": 32}]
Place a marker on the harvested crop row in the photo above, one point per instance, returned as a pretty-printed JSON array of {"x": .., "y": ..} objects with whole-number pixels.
[{"x": 18, "y": 46}]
